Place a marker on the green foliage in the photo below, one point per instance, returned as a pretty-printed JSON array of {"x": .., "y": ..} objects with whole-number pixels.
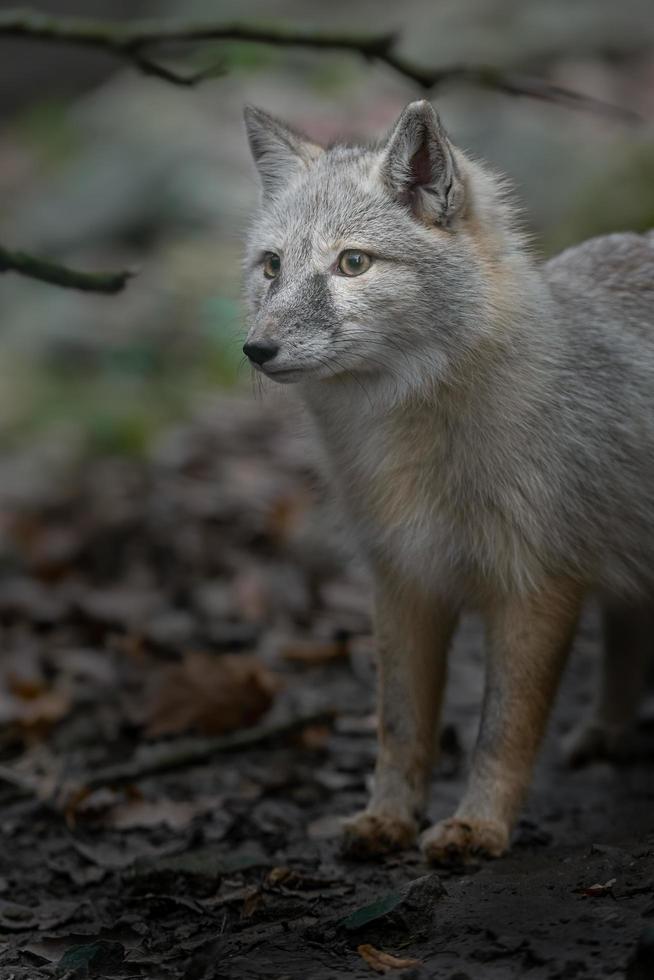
[
  {"x": 220, "y": 317},
  {"x": 46, "y": 126},
  {"x": 118, "y": 394},
  {"x": 334, "y": 76},
  {"x": 621, "y": 199},
  {"x": 92, "y": 959},
  {"x": 122, "y": 398},
  {"x": 375, "y": 910},
  {"x": 241, "y": 56}
]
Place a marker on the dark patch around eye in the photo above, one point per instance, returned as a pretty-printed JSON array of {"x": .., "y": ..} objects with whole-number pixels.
[
  {"x": 315, "y": 306},
  {"x": 273, "y": 285}
]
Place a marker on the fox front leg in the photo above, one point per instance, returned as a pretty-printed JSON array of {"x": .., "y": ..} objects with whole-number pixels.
[
  {"x": 413, "y": 633},
  {"x": 528, "y": 639}
]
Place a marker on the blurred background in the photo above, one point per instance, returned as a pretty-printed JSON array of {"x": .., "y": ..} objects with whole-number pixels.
[
  {"x": 168, "y": 571},
  {"x": 102, "y": 167}
]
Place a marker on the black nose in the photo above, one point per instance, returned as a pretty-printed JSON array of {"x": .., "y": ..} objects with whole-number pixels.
[{"x": 261, "y": 351}]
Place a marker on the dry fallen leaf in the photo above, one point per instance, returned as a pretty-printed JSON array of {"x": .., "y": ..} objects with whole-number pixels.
[
  {"x": 384, "y": 962},
  {"x": 210, "y": 694},
  {"x": 32, "y": 707},
  {"x": 252, "y": 902},
  {"x": 250, "y": 595},
  {"x": 314, "y": 737},
  {"x": 598, "y": 890},
  {"x": 314, "y": 653},
  {"x": 286, "y": 514},
  {"x": 174, "y": 814},
  {"x": 78, "y": 802},
  {"x": 280, "y": 875}
]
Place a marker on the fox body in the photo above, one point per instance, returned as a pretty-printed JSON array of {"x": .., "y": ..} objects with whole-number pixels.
[{"x": 488, "y": 424}]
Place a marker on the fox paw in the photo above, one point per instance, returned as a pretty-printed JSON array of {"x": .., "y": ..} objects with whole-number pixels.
[
  {"x": 592, "y": 741},
  {"x": 456, "y": 841},
  {"x": 367, "y": 835}
]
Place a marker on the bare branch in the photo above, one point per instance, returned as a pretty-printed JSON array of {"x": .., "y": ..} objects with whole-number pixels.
[
  {"x": 150, "y": 67},
  {"x": 61, "y": 275},
  {"x": 133, "y": 41},
  {"x": 153, "y": 758},
  {"x": 122, "y": 36}
]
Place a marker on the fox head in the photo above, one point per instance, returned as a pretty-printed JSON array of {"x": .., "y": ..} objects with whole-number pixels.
[{"x": 370, "y": 261}]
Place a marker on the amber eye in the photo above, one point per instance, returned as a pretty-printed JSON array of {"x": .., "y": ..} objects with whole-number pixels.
[
  {"x": 351, "y": 262},
  {"x": 271, "y": 265}
]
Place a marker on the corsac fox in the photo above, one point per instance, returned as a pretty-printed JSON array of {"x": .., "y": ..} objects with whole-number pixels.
[{"x": 488, "y": 425}]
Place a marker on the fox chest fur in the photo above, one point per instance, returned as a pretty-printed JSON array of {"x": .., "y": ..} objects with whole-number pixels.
[{"x": 424, "y": 504}]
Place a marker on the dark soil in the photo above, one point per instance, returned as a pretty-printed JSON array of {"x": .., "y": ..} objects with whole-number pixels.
[{"x": 153, "y": 828}]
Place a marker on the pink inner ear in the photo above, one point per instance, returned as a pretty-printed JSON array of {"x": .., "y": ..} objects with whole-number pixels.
[{"x": 421, "y": 165}]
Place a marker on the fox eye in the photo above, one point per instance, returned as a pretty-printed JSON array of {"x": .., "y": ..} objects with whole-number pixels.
[
  {"x": 351, "y": 262},
  {"x": 271, "y": 265}
]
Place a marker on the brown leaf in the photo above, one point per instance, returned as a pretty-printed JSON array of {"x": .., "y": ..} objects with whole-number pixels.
[
  {"x": 384, "y": 962},
  {"x": 251, "y": 903},
  {"x": 73, "y": 804},
  {"x": 26, "y": 688},
  {"x": 34, "y": 709},
  {"x": 210, "y": 694},
  {"x": 287, "y": 513},
  {"x": 174, "y": 814},
  {"x": 250, "y": 595},
  {"x": 25, "y": 696},
  {"x": 598, "y": 890},
  {"x": 314, "y": 653},
  {"x": 314, "y": 737},
  {"x": 97, "y": 805},
  {"x": 280, "y": 875}
]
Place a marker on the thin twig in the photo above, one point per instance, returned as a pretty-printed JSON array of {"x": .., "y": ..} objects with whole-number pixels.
[
  {"x": 133, "y": 41},
  {"x": 120, "y": 36},
  {"x": 150, "y": 67},
  {"x": 182, "y": 753},
  {"x": 152, "y": 759},
  {"x": 60, "y": 275}
]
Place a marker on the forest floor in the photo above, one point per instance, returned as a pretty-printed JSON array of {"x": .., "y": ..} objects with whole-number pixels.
[{"x": 186, "y": 711}]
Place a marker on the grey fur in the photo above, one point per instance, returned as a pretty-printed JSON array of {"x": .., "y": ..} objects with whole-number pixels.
[
  {"x": 532, "y": 395},
  {"x": 488, "y": 420}
]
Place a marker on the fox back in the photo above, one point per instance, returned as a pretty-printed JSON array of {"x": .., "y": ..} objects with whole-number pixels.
[{"x": 487, "y": 420}]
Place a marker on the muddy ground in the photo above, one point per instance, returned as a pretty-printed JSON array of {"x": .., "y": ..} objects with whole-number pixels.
[{"x": 186, "y": 708}]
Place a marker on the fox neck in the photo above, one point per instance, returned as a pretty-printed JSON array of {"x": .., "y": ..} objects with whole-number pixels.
[
  {"x": 516, "y": 322},
  {"x": 487, "y": 383},
  {"x": 493, "y": 391},
  {"x": 441, "y": 473}
]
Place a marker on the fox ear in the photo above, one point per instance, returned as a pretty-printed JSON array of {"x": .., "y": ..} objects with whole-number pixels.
[
  {"x": 279, "y": 152},
  {"x": 419, "y": 168}
]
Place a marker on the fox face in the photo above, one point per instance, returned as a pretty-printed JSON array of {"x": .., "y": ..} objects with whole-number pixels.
[{"x": 361, "y": 262}]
